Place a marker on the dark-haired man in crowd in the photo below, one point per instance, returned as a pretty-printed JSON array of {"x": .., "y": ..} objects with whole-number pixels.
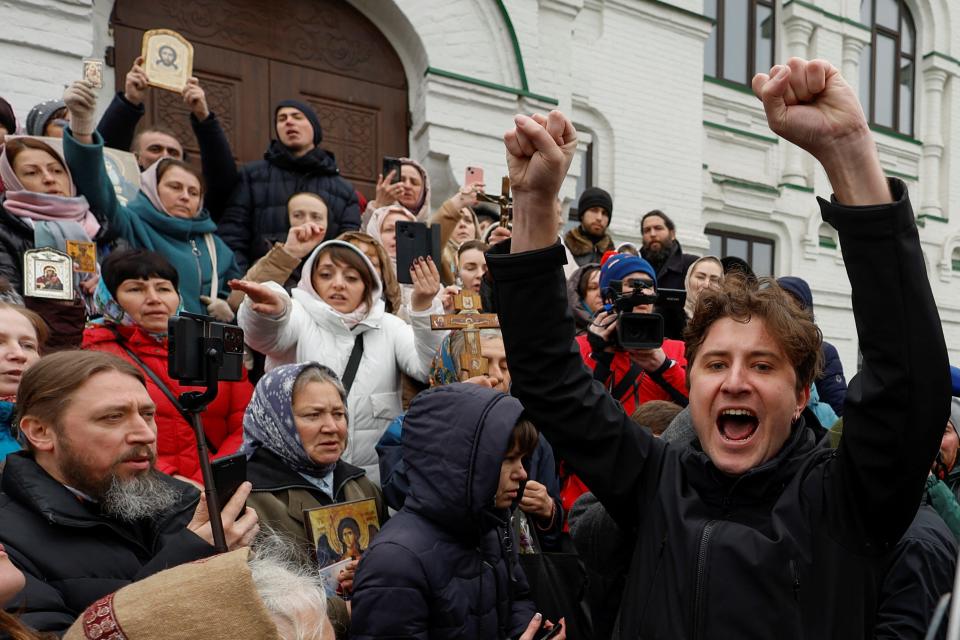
[
  {"x": 758, "y": 531},
  {"x": 83, "y": 510},
  {"x": 256, "y": 217},
  {"x": 119, "y": 124},
  {"x": 662, "y": 250},
  {"x": 590, "y": 240}
]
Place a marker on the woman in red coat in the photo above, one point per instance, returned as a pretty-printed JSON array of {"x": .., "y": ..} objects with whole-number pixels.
[{"x": 137, "y": 295}]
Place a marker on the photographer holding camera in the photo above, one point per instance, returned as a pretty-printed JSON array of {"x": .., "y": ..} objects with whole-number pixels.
[{"x": 628, "y": 284}]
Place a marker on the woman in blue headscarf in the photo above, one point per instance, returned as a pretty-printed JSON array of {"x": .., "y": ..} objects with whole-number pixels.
[{"x": 294, "y": 432}]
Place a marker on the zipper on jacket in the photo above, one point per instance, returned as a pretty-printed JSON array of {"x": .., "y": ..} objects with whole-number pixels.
[
  {"x": 698, "y": 596},
  {"x": 196, "y": 256},
  {"x": 796, "y": 579}
]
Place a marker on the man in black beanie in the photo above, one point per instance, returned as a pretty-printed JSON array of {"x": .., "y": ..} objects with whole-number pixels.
[
  {"x": 589, "y": 241},
  {"x": 256, "y": 217}
]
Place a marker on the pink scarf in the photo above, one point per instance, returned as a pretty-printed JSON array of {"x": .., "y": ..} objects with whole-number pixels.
[{"x": 43, "y": 206}]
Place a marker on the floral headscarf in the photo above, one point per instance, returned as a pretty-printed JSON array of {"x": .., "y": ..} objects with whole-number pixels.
[{"x": 268, "y": 421}]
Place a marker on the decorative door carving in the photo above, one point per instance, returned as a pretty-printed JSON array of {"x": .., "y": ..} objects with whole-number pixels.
[{"x": 249, "y": 54}]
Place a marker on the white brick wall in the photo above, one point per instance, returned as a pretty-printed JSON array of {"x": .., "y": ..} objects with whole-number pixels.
[{"x": 629, "y": 70}]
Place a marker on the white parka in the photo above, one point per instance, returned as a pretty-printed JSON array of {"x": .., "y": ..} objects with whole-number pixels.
[{"x": 310, "y": 330}]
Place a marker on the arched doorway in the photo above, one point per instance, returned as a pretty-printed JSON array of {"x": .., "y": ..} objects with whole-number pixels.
[{"x": 250, "y": 54}]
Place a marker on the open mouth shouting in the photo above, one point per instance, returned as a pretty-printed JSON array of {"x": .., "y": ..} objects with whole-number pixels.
[{"x": 738, "y": 425}]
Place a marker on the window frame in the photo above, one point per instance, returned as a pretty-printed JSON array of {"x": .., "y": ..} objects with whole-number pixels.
[
  {"x": 902, "y": 11},
  {"x": 724, "y": 234},
  {"x": 751, "y": 39}
]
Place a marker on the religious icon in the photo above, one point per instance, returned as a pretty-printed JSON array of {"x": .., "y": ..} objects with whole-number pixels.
[
  {"x": 168, "y": 59},
  {"x": 93, "y": 72},
  {"x": 47, "y": 273},
  {"x": 341, "y": 531},
  {"x": 84, "y": 255}
]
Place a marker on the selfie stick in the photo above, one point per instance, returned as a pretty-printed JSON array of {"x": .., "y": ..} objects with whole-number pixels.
[{"x": 195, "y": 402}]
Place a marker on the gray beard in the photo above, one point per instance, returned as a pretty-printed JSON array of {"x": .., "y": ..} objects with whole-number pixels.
[{"x": 144, "y": 496}]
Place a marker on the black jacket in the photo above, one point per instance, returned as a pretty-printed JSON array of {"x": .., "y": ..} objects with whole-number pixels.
[
  {"x": 672, "y": 275},
  {"x": 256, "y": 216},
  {"x": 796, "y": 547},
  {"x": 119, "y": 122},
  {"x": 72, "y": 555},
  {"x": 920, "y": 571},
  {"x": 445, "y": 566}
]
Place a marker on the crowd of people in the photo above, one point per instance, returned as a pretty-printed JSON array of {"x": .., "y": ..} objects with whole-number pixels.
[{"x": 647, "y": 443}]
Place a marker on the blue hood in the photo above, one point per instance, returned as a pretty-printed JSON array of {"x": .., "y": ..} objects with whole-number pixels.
[
  {"x": 454, "y": 440},
  {"x": 799, "y": 288}
]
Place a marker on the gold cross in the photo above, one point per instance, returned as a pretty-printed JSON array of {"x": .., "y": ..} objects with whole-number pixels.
[
  {"x": 469, "y": 319},
  {"x": 504, "y": 201}
]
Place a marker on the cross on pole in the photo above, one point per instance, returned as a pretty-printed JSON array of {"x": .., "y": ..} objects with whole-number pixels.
[{"x": 469, "y": 319}]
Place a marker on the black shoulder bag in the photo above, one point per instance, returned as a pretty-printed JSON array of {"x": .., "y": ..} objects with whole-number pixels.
[{"x": 353, "y": 363}]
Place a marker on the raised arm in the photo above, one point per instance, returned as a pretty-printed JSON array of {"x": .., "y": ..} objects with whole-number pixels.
[
  {"x": 83, "y": 153},
  {"x": 899, "y": 402},
  {"x": 585, "y": 426},
  {"x": 119, "y": 121},
  {"x": 216, "y": 158}
]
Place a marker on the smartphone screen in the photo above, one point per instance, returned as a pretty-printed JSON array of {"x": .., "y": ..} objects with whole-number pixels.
[
  {"x": 392, "y": 164},
  {"x": 229, "y": 473}
]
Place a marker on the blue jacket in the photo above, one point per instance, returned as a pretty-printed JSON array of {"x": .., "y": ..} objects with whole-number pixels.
[
  {"x": 256, "y": 215},
  {"x": 445, "y": 566},
  {"x": 180, "y": 240},
  {"x": 8, "y": 444}
]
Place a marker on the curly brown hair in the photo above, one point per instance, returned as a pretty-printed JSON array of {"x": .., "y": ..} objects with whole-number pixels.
[{"x": 742, "y": 299}]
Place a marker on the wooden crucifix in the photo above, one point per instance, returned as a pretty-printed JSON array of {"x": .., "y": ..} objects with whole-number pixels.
[
  {"x": 469, "y": 319},
  {"x": 504, "y": 201}
]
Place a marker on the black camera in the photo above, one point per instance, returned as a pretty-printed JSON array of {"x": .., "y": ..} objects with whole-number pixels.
[
  {"x": 203, "y": 351},
  {"x": 640, "y": 330}
]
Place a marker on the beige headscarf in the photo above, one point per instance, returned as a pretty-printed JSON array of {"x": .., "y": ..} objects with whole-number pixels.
[
  {"x": 692, "y": 296},
  {"x": 214, "y": 599}
]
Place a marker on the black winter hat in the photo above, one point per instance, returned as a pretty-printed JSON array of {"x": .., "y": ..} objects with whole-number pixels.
[
  {"x": 306, "y": 110},
  {"x": 594, "y": 197},
  {"x": 7, "y": 120}
]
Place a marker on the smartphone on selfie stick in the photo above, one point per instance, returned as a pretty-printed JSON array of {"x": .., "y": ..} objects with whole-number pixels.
[{"x": 202, "y": 352}]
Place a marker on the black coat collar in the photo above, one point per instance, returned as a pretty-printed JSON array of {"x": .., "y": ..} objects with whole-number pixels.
[{"x": 267, "y": 472}]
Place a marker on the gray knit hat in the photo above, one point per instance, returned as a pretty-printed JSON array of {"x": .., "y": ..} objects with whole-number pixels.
[{"x": 41, "y": 114}]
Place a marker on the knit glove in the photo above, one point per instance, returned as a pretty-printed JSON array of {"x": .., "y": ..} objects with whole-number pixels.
[
  {"x": 81, "y": 100},
  {"x": 218, "y": 308}
]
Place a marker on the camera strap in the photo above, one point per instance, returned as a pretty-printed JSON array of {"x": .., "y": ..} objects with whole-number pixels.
[
  {"x": 353, "y": 363},
  {"x": 163, "y": 387}
]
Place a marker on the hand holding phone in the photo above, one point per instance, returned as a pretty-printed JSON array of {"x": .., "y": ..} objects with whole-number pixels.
[
  {"x": 392, "y": 164},
  {"x": 415, "y": 240},
  {"x": 229, "y": 473},
  {"x": 474, "y": 175}
]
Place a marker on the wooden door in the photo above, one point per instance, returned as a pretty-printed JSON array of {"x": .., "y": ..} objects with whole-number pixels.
[{"x": 249, "y": 54}]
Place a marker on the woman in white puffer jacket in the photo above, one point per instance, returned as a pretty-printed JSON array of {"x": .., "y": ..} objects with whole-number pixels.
[{"x": 337, "y": 301}]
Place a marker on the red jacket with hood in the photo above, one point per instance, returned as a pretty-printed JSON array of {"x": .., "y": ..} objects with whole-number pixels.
[{"x": 176, "y": 444}]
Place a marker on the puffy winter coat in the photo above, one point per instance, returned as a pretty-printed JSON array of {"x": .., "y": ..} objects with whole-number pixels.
[
  {"x": 181, "y": 240},
  {"x": 71, "y": 555},
  {"x": 797, "y": 546},
  {"x": 445, "y": 566},
  {"x": 310, "y": 329},
  {"x": 176, "y": 444},
  {"x": 256, "y": 216}
]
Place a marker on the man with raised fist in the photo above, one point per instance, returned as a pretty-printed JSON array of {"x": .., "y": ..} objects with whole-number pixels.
[{"x": 758, "y": 530}]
